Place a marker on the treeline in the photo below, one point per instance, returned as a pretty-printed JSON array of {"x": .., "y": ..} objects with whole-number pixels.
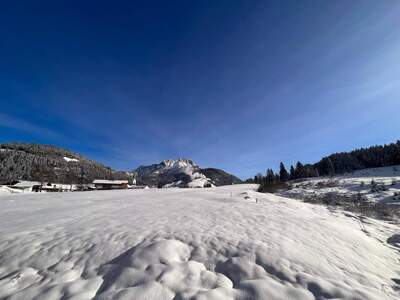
[{"x": 337, "y": 163}]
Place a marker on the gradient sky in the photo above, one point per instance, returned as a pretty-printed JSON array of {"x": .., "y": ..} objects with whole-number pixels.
[{"x": 238, "y": 85}]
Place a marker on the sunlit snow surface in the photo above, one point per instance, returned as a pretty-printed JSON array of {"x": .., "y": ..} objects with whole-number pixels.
[{"x": 216, "y": 243}]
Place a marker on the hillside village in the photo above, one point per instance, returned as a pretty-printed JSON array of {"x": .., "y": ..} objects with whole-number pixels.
[{"x": 97, "y": 184}]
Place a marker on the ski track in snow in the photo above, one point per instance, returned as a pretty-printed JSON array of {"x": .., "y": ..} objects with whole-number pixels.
[{"x": 175, "y": 244}]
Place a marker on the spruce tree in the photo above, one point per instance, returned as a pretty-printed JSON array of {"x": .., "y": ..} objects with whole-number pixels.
[
  {"x": 300, "y": 171},
  {"x": 283, "y": 174},
  {"x": 292, "y": 172},
  {"x": 270, "y": 178},
  {"x": 327, "y": 167}
]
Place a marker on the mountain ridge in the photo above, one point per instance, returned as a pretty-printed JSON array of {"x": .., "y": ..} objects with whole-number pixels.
[{"x": 182, "y": 172}]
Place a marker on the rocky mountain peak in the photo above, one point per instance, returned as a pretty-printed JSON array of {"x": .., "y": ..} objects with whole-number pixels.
[
  {"x": 178, "y": 163},
  {"x": 182, "y": 172}
]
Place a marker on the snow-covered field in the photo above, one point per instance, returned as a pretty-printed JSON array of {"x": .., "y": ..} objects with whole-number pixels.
[
  {"x": 385, "y": 190},
  {"x": 217, "y": 243}
]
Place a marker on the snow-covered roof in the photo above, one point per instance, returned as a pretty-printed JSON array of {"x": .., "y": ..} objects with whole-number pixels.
[
  {"x": 21, "y": 184},
  {"x": 104, "y": 181}
]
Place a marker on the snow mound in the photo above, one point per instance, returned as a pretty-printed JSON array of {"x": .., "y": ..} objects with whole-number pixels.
[{"x": 162, "y": 269}]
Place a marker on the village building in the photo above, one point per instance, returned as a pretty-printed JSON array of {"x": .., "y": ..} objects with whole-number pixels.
[
  {"x": 25, "y": 186},
  {"x": 103, "y": 184},
  {"x": 34, "y": 186}
]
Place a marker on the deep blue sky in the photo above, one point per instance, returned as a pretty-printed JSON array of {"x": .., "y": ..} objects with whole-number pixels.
[{"x": 239, "y": 85}]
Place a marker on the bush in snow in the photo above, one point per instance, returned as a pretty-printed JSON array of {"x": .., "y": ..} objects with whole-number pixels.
[{"x": 373, "y": 186}]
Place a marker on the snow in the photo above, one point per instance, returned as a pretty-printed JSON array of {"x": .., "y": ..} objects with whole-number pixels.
[
  {"x": 179, "y": 163},
  {"x": 5, "y": 190},
  {"x": 220, "y": 243},
  {"x": 68, "y": 159},
  {"x": 26, "y": 184},
  {"x": 172, "y": 184},
  {"x": 378, "y": 172},
  {"x": 25, "y": 187},
  {"x": 352, "y": 184},
  {"x": 179, "y": 166},
  {"x": 199, "y": 182},
  {"x": 185, "y": 166}
]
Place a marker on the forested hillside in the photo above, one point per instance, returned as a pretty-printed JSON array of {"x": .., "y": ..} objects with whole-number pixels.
[{"x": 19, "y": 161}]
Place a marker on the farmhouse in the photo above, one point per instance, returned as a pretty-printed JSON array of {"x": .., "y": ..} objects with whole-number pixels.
[
  {"x": 26, "y": 186},
  {"x": 102, "y": 184}
]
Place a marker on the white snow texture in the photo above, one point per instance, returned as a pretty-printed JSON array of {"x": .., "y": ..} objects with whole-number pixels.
[{"x": 219, "y": 243}]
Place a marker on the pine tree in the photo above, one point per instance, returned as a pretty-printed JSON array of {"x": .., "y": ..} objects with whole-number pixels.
[
  {"x": 283, "y": 174},
  {"x": 326, "y": 166},
  {"x": 300, "y": 171},
  {"x": 258, "y": 178},
  {"x": 270, "y": 178},
  {"x": 292, "y": 172}
]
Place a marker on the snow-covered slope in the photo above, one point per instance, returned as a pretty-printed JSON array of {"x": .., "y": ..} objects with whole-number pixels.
[
  {"x": 378, "y": 185},
  {"x": 221, "y": 243},
  {"x": 180, "y": 173}
]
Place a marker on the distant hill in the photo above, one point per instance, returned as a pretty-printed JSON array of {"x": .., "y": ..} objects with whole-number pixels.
[
  {"x": 36, "y": 162},
  {"x": 220, "y": 177},
  {"x": 182, "y": 173}
]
